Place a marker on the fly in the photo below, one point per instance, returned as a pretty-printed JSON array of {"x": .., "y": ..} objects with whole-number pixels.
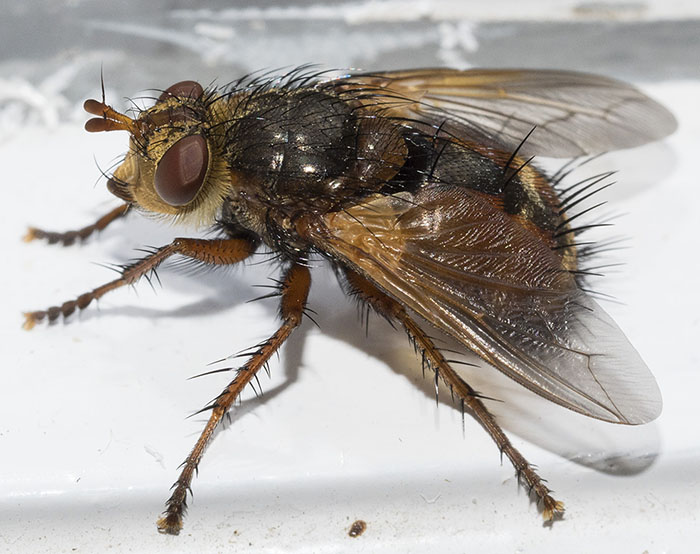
[{"x": 417, "y": 186}]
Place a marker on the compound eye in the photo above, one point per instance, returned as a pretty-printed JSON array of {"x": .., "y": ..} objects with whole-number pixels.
[
  {"x": 186, "y": 89},
  {"x": 181, "y": 171}
]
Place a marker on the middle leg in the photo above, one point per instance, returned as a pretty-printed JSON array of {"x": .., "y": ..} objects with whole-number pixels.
[{"x": 294, "y": 292}]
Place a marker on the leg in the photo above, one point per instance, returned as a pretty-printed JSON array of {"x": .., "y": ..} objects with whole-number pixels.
[
  {"x": 218, "y": 251},
  {"x": 294, "y": 291},
  {"x": 391, "y": 309},
  {"x": 69, "y": 237}
]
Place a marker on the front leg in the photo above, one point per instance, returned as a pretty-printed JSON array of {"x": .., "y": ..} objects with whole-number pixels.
[
  {"x": 67, "y": 238},
  {"x": 217, "y": 251},
  {"x": 294, "y": 291}
]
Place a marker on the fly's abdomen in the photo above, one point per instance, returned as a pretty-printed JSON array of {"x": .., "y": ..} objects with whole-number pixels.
[{"x": 514, "y": 186}]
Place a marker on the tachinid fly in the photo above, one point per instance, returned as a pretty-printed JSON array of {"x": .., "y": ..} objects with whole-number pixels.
[{"x": 417, "y": 187}]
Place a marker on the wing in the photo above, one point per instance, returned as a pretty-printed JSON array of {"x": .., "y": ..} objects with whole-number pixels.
[
  {"x": 451, "y": 256},
  {"x": 572, "y": 114}
]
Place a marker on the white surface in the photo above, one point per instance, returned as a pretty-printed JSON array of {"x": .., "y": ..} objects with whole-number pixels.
[{"x": 92, "y": 417}]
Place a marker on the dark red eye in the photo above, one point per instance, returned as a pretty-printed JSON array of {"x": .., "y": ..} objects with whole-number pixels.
[
  {"x": 186, "y": 89},
  {"x": 181, "y": 171}
]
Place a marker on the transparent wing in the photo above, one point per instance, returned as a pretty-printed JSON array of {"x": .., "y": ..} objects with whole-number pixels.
[
  {"x": 573, "y": 114},
  {"x": 452, "y": 257}
]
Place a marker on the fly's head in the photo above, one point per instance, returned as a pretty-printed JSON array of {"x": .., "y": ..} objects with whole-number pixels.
[{"x": 175, "y": 164}]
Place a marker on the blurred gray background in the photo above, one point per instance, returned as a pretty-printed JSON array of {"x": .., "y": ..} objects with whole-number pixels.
[{"x": 52, "y": 50}]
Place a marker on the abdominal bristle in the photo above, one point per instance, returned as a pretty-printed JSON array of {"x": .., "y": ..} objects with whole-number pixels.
[{"x": 578, "y": 200}]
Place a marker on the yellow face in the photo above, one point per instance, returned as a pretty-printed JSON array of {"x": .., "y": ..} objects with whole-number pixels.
[{"x": 175, "y": 165}]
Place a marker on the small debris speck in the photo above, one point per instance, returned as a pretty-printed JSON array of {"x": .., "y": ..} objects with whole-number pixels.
[{"x": 357, "y": 528}]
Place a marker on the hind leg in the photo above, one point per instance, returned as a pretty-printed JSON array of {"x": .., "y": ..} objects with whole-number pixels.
[{"x": 468, "y": 397}]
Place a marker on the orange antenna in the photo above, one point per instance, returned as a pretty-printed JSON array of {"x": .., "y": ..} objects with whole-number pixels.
[{"x": 109, "y": 120}]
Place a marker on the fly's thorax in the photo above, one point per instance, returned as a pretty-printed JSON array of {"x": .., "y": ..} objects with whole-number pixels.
[
  {"x": 303, "y": 151},
  {"x": 307, "y": 147},
  {"x": 269, "y": 219}
]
